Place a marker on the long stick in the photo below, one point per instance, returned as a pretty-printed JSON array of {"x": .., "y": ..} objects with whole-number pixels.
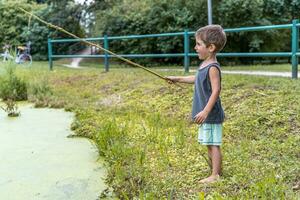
[{"x": 96, "y": 45}]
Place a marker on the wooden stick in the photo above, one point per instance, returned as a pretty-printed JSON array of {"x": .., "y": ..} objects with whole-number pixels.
[{"x": 96, "y": 45}]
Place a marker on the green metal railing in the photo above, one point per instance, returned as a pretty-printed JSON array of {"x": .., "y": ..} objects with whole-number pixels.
[{"x": 186, "y": 54}]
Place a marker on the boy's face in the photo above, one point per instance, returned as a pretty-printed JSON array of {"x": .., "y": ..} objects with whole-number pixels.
[{"x": 203, "y": 51}]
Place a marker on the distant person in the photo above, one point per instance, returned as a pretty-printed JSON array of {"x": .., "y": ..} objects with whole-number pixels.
[
  {"x": 23, "y": 54},
  {"x": 24, "y": 49},
  {"x": 6, "y": 55},
  {"x": 207, "y": 110}
]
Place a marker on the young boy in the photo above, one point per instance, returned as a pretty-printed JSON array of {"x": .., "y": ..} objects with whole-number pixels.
[{"x": 207, "y": 110}]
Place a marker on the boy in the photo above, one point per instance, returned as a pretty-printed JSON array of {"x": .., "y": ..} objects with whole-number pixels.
[{"x": 207, "y": 110}]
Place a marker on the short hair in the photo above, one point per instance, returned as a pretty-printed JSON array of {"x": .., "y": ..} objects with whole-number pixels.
[{"x": 212, "y": 34}]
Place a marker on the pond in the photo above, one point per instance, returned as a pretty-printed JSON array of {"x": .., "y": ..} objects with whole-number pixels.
[{"x": 38, "y": 161}]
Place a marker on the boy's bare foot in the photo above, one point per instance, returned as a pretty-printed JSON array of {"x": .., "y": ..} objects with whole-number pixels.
[{"x": 210, "y": 179}]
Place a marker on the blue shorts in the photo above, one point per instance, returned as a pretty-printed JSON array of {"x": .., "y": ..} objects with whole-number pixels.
[{"x": 210, "y": 134}]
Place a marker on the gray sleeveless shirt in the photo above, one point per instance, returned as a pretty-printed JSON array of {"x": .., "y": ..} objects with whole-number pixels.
[{"x": 202, "y": 93}]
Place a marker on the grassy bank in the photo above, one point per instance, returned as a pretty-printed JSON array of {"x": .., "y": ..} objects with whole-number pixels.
[
  {"x": 255, "y": 67},
  {"x": 141, "y": 127}
]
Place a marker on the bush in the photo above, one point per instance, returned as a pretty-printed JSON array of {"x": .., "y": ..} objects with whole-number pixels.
[
  {"x": 11, "y": 86},
  {"x": 40, "y": 91}
]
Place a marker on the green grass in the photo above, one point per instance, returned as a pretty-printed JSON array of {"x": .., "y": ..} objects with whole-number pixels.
[
  {"x": 258, "y": 67},
  {"x": 140, "y": 125}
]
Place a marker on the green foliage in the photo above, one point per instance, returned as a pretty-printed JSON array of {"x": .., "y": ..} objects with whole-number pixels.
[
  {"x": 11, "y": 86},
  {"x": 40, "y": 92},
  {"x": 13, "y": 21},
  {"x": 268, "y": 188},
  {"x": 18, "y": 28},
  {"x": 65, "y": 14},
  {"x": 147, "y": 17},
  {"x": 12, "y": 89},
  {"x": 127, "y": 17},
  {"x": 37, "y": 34},
  {"x": 240, "y": 13}
]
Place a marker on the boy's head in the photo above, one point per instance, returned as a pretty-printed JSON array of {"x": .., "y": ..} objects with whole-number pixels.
[{"x": 212, "y": 35}]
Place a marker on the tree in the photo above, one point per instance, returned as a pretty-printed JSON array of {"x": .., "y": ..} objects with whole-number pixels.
[
  {"x": 18, "y": 28},
  {"x": 127, "y": 17},
  {"x": 14, "y": 21}
]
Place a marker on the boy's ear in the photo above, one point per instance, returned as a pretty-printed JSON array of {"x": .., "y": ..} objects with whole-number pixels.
[{"x": 212, "y": 48}]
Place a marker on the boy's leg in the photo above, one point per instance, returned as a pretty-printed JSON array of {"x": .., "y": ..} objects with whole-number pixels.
[
  {"x": 209, "y": 157},
  {"x": 216, "y": 158}
]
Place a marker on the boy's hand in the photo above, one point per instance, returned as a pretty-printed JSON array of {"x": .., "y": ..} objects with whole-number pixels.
[
  {"x": 200, "y": 117},
  {"x": 171, "y": 79}
]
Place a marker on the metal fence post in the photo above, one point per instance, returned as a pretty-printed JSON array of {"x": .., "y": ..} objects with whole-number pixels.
[
  {"x": 50, "y": 54},
  {"x": 106, "y": 58},
  {"x": 295, "y": 45},
  {"x": 186, "y": 51}
]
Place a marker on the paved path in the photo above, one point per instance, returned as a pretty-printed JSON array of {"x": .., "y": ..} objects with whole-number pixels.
[
  {"x": 261, "y": 73},
  {"x": 38, "y": 161},
  {"x": 255, "y": 73}
]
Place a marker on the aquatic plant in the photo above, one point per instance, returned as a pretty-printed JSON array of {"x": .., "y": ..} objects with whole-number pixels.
[{"x": 11, "y": 108}]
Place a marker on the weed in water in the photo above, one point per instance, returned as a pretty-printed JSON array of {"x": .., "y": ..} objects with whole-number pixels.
[{"x": 11, "y": 108}]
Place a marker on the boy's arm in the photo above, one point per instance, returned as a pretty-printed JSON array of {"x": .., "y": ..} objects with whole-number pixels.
[
  {"x": 214, "y": 76},
  {"x": 182, "y": 79}
]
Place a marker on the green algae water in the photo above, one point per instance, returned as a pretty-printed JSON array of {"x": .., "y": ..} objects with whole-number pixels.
[{"x": 38, "y": 161}]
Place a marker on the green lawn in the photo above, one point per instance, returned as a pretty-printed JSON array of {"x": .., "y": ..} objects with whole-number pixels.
[
  {"x": 265, "y": 67},
  {"x": 273, "y": 68},
  {"x": 140, "y": 125}
]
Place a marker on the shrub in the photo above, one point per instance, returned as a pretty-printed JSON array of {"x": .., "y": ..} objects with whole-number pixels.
[
  {"x": 40, "y": 92},
  {"x": 11, "y": 86}
]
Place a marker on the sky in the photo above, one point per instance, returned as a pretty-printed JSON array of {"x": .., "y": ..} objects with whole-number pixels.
[{"x": 81, "y": 1}]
